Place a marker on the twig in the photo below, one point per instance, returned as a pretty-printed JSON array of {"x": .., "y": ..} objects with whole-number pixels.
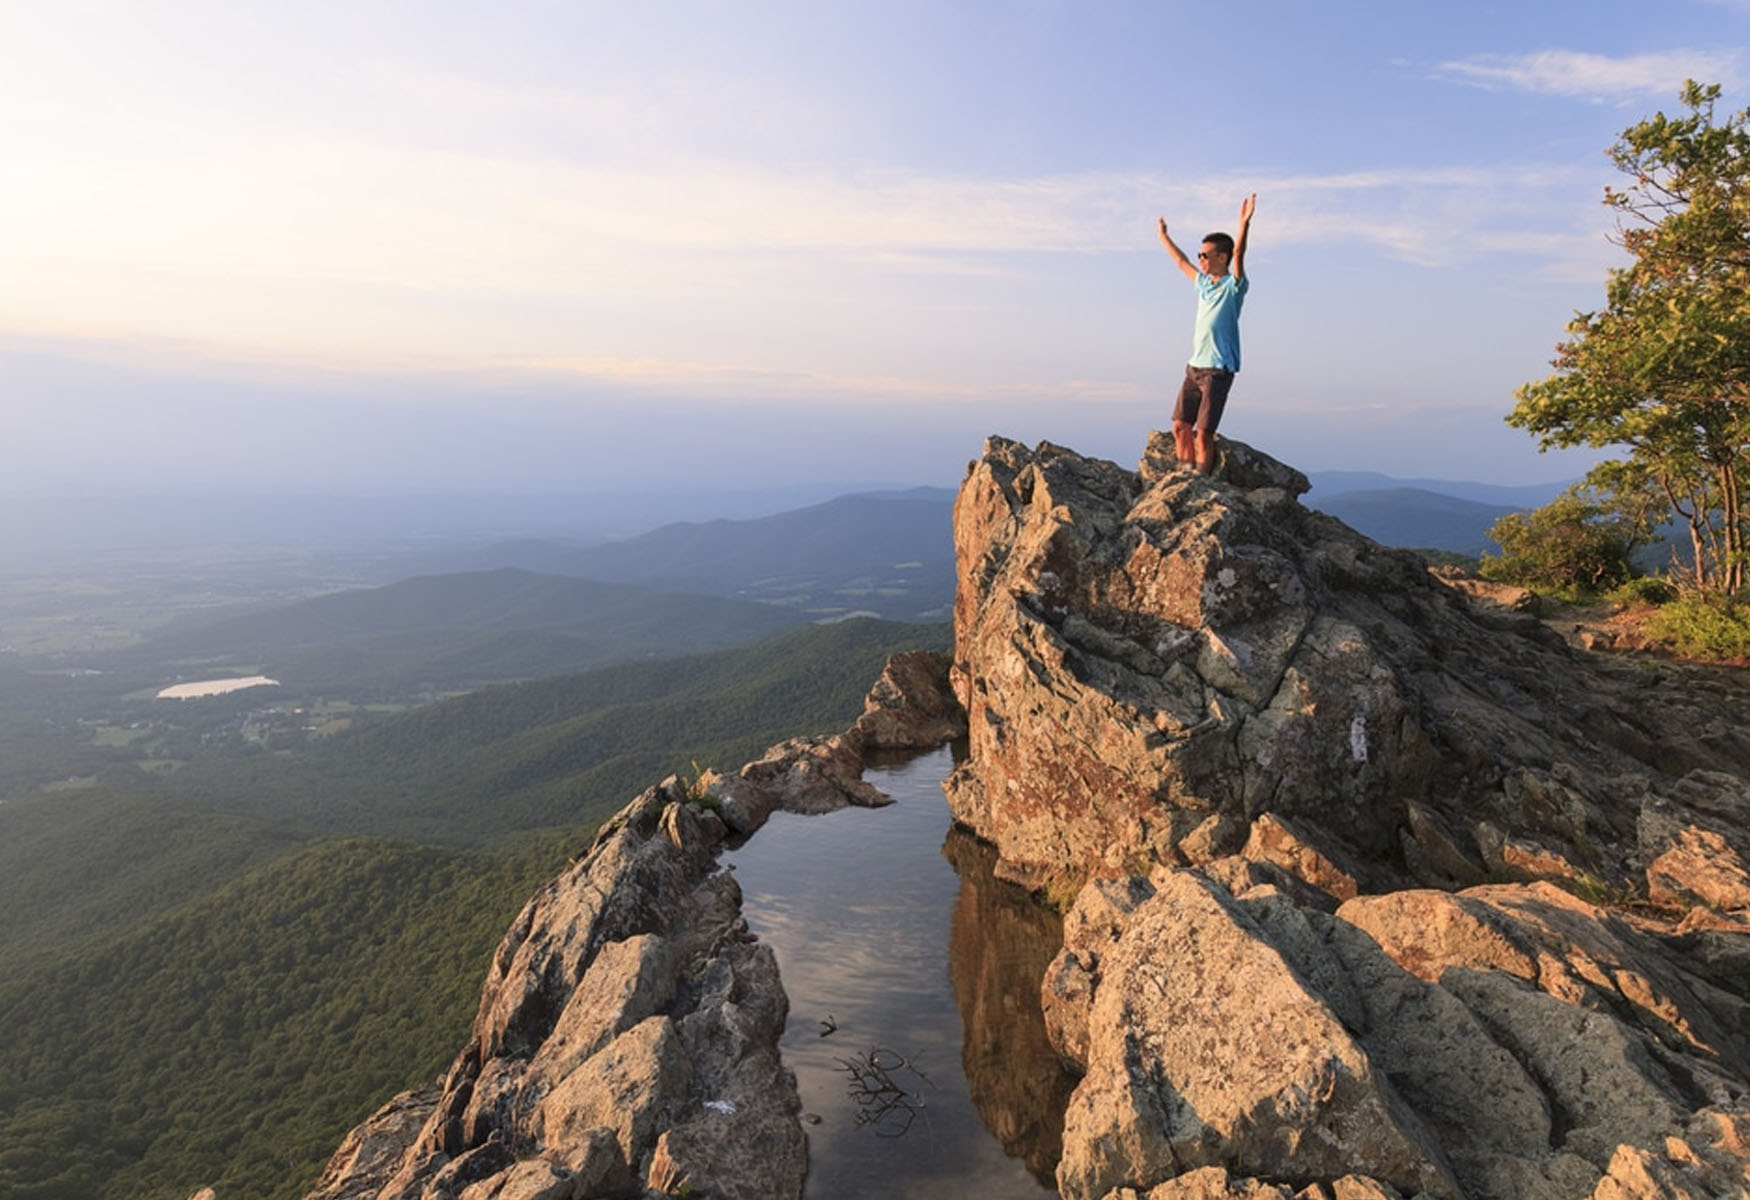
[{"x": 881, "y": 1101}]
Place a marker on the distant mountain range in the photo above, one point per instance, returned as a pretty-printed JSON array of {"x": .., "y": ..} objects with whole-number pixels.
[
  {"x": 1433, "y": 514},
  {"x": 1509, "y": 496},
  {"x": 1417, "y": 519},
  {"x": 887, "y": 554}
]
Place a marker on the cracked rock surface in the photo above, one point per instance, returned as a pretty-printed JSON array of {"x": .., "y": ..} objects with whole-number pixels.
[
  {"x": 1152, "y": 660},
  {"x": 1378, "y": 891}
]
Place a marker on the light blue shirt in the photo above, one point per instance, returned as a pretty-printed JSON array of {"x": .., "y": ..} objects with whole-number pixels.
[{"x": 1215, "y": 339}]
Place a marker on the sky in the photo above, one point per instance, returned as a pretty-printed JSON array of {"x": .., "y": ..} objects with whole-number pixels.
[{"x": 533, "y": 246}]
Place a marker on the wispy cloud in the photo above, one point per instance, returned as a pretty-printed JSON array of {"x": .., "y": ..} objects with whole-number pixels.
[
  {"x": 1594, "y": 76},
  {"x": 338, "y": 244},
  {"x": 808, "y": 389}
]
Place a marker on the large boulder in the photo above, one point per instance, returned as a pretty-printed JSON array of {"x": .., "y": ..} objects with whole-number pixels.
[
  {"x": 1505, "y": 1041},
  {"x": 911, "y": 706},
  {"x": 1211, "y": 1051}
]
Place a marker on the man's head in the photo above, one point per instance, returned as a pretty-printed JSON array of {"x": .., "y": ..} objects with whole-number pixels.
[{"x": 1217, "y": 252}]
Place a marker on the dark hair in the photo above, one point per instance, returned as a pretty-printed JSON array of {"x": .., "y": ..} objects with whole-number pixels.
[{"x": 1221, "y": 242}]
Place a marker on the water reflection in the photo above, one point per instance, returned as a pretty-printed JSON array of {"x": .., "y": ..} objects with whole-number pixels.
[
  {"x": 891, "y": 941},
  {"x": 1001, "y": 943}
]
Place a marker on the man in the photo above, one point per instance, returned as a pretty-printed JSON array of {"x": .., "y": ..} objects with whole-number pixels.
[{"x": 1220, "y": 276}]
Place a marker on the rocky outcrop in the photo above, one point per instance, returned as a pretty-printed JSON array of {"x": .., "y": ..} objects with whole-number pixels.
[
  {"x": 1152, "y": 660},
  {"x": 626, "y": 1042},
  {"x": 910, "y": 707},
  {"x": 1516, "y": 1037},
  {"x": 628, "y": 1020},
  {"x": 1327, "y": 822}
]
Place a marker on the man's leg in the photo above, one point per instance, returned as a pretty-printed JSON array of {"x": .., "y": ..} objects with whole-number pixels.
[
  {"x": 1184, "y": 444},
  {"x": 1205, "y": 451},
  {"x": 1185, "y": 413},
  {"x": 1215, "y": 389}
]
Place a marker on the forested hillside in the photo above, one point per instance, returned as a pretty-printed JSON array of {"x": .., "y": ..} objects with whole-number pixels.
[
  {"x": 228, "y": 1040},
  {"x": 889, "y": 553},
  {"x": 210, "y": 980},
  {"x": 560, "y": 751},
  {"x": 463, "y": 629}
]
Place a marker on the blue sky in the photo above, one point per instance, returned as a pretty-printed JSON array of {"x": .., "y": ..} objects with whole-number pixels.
[{"x": 379, "y": 246}]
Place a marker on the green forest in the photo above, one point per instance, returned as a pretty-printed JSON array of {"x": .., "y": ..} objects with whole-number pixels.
[{"x": 208, "y": 976}]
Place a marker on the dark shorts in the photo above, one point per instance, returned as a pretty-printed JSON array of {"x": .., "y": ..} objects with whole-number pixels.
[{"x": 1202, "y": 397}]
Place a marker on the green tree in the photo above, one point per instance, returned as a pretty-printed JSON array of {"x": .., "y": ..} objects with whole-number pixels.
[
  {"x": 1579, "y": 542},
  {"x": 1664, "y": 369}
]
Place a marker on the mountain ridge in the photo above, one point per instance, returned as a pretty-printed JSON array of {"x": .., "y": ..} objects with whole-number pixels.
[
  {"x": 459, "y": 630},
  {"x": 1414, "y": 518},
  {"x": 1510, "y": 495},
  {"x": 887, "y": 552}
]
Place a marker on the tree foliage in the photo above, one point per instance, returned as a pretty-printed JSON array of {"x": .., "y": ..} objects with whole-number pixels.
[
  {"x": 1663, "y": 370},
  {"x": 232, "y": 1040},
  {"x": 1579, "y": 542}
]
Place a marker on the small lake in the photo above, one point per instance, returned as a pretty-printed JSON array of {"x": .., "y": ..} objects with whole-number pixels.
[
  {"x": 906, "y": 960},
  {"x": 214, "y": 687}
]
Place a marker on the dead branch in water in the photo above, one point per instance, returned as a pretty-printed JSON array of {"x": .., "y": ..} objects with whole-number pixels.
[{"x": 881, "y": 1101}]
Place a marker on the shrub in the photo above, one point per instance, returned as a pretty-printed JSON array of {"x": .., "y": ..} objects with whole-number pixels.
[
  {"x": 1705, "y": 626},
  {"x": 1573, "y": 544},
  {"x": 1646, "y": 589}
]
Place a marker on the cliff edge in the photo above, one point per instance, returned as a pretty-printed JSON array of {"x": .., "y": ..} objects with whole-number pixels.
[
  {"x": 626, "y": 1043},
  {"x": 1333, "y": 834}
]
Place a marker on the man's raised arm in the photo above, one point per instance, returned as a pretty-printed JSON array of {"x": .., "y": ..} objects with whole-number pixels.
[
  {"x": 1247, "y": 207},
  {"x": 1185, "y": 264}
]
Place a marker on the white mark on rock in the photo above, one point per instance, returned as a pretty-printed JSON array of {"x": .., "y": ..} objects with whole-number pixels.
[
  {"x": 1358, "y": 738},
  {"x": 723, "y": 1106}
]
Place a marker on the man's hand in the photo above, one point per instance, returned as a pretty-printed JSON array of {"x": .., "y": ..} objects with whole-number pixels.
[{"x": 1247, "y": 207}]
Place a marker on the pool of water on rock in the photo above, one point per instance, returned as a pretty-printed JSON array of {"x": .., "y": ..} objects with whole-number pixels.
[{"x": 905, "y": 958}]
